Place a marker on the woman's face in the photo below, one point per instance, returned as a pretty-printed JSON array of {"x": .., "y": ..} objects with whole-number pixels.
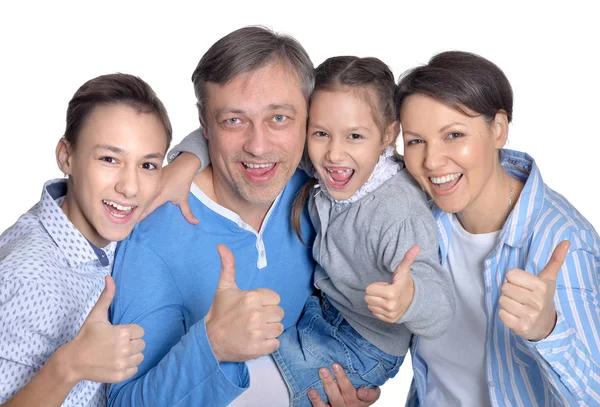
[{"x": 453, "y": 156}]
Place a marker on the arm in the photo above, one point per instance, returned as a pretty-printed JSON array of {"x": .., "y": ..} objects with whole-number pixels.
[
  {"x": 100, "y": 352},
  {"x": 570, "y": 355},
  {"x": 185, "y": 160},
  {"x": 180, "y": 365},
  {"x": 420, "y": 294}
]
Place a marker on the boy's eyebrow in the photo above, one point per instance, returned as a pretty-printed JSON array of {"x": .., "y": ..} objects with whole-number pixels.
[
  {"x": 120, "y": 151},
  {"x": 108, "y": 147}
]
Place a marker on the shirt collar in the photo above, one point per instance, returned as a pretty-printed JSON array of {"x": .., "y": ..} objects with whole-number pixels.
[
  {"x": 520, "y": 222},
  {"x": 72, "y": 244}
]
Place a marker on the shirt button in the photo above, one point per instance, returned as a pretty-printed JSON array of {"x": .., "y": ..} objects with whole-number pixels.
[
  {"x": 491, "y": 383},
  {"x": 488, "y": 289},
  {"x": 262, "y": 253}
]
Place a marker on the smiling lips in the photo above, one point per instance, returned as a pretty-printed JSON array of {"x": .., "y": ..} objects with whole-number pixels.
[
  {"x": 339, "y": 177},
  {"x": 446, "y": 182},
  {"x": 259, "y": 173},
  {"x": 121, "y": 213}
]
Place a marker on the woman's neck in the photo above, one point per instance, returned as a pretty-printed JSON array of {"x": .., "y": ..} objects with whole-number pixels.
[{"x": 491, "y": 208}]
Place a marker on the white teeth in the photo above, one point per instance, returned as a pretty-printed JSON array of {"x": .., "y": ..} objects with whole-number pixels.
[
  {"x": 250, "y": 165},
  {"x": 340, "y": 171},
  {"x": 445, "y": 178},
  {"x": 119, "y": 207}
]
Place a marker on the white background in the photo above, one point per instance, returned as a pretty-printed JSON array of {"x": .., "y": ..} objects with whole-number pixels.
[{"x": 549, "y": 53}]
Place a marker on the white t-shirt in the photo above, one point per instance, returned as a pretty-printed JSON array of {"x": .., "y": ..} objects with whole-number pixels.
[
  {"x": 456, "y": 361},
  {"x": 267, "y": 387}
]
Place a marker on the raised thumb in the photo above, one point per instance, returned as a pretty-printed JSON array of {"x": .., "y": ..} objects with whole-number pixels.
[
  {"x": 227, "y": 277},
  {"x": 403, "y": 269},
  {"x": 100, "y": 310},
  {"x": 550, "y": 272}
]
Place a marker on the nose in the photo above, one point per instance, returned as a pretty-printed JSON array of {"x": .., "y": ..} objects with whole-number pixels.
[
  {"x": 128, "y": 183},
  {"x": 335, "y": 151},
  {"x": 435, "y": 157},
  {"x": 258, "y": 140}
]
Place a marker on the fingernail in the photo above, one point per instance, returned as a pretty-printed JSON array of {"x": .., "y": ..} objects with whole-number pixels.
[
  {"x": 312, "y": 394},
  {"x": 336, "y": 367},
  {"x": 324, "y": 372}
]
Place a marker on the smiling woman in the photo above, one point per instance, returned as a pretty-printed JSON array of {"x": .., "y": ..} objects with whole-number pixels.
[
  {"x": 55, "y": 259},
  {"x": 527, "y": 315}
]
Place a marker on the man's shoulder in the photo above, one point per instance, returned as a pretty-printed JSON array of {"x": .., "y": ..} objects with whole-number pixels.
[{"x": 299, "y": 178}]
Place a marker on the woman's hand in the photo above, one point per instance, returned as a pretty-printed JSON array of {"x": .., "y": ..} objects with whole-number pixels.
[
  {"x": 175, "y": 181},
  {"x": 342, "y": 393},
  {"x": 527, "y": 301}
]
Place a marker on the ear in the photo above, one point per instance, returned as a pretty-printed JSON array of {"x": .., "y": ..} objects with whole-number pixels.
[
  {"x": 63, "y": 156},
  {"x": 500, "y": 129},
  {"x": 391, "y": 134}
]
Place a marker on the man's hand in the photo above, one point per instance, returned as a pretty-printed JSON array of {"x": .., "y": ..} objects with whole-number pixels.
[
  {"x": 242, "y": 325},
  {"x": 342, "y": 393},
  {"x": 389, "y": 301},
  {"x": 175, "y": 182},
  {"x": 102, "y": 352},
  {"x": 527, "y": 301}
]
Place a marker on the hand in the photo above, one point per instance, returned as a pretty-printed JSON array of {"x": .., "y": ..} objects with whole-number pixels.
[
  {"x": 175, "y": 181},
  {"x": 389, "y": 301},
  {"x": 102, "y": 352},
  {"x": 342, "y": 393},
  {"x": 527, "y": 301},
  {"x": 242, "y": 325}
]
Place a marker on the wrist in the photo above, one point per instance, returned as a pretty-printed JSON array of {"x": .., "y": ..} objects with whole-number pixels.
[
  {"x": 62, "y": 367},
  {"x": 212, "y": 341}
]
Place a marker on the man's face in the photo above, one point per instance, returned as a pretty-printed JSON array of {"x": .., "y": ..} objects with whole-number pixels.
[{"x": 256, "y": 128}]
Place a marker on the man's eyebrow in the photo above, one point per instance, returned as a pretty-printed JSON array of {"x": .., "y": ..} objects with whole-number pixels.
[
  {"x": 228, "y": 110},
  {"x": 284, "y": 106}
]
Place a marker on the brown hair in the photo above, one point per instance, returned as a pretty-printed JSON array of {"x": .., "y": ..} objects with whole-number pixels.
[
  {"x": 460, "y": 80},
  {"x": 373, "y": 81},
  {"x": 115, "y": 88},
  {"x": 245, "y": 50}
]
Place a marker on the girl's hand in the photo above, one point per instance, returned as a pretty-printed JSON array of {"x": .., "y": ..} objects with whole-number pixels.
[
  {"x": 175, "y": 182},
  {"x": 527, "y": 301},
  {"x": 389, "y": 301},
  {"x": 342, "y": 393}
]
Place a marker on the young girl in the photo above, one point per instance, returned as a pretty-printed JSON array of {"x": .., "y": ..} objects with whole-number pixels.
[
  {"x": 368, "y": 212},
  {"x": 56, "y": 346}
]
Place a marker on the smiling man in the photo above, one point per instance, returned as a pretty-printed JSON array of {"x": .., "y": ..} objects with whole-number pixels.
[{"x": 200, "y": 324}]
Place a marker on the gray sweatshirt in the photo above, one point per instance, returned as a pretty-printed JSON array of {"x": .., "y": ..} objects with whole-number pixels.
[{"x": 362, "y": 242}]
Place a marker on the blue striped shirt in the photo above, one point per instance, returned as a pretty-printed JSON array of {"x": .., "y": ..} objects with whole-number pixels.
[{"x": 564, "y": 368}]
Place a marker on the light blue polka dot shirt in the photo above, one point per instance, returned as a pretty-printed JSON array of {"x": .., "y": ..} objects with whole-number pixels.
[{"x": 50, "y": 278}]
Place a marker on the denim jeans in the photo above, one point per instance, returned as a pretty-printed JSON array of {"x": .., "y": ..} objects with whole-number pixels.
[{"x": 323, "y": 337}]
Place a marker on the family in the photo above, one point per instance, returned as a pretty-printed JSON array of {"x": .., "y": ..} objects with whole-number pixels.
[{"x": 288, "y": 255}]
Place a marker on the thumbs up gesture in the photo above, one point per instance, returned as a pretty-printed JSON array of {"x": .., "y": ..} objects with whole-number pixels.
[
  {"x": 389, "y": 301},
  {"x": 527, "y": 301},
  {"x": 102, "y": 352},
  {"x": 242, "y": 324}
]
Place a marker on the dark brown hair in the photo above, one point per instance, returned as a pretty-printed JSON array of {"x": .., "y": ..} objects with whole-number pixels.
[
  {"x": 460, "y": 80},
  {"x": 109, "y": 89},
  {"x": 245, "y": 50},
  {"x": 373, "y": 81}
]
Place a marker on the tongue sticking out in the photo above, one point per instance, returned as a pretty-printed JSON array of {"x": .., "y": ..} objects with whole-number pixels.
[{"x": 341, "y": 177}]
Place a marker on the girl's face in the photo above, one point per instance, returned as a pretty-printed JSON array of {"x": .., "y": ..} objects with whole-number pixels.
[
  {"x": 113, "y": 170},
  {"x": 453, "y": 156},
  {"x": 344, "y": 140}
]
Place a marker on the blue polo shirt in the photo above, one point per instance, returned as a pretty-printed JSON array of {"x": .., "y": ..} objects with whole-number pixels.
[{"x": 166, "y": 274}]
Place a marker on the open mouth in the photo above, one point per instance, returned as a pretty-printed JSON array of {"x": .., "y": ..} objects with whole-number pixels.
[
  {"x": 446, "y": 182},
  {"x": 259, "y": 173},
  {"x": 339, "y": 178},
  {"x": 117, "y": 210}
]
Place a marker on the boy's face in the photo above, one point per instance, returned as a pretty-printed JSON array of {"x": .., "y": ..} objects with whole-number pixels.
[{"x": 114, "y": 171}]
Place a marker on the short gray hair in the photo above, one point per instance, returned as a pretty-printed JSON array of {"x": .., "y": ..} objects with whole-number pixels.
[{"x": 245, "y": 50}]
